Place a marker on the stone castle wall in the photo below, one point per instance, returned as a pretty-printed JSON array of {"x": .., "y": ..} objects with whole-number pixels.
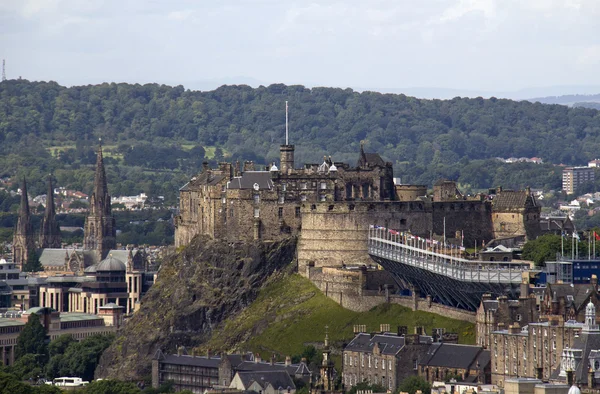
[
  {"x": 336, "y": 234},
  {"x": 349, "y": 289}
]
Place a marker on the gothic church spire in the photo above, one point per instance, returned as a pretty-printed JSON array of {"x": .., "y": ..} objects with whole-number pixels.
[
  {"x": 50, "y": 231},
  {"x": 23, "y": 242},
  {"x": 101, "y": 199},
  {"x": 100, "y": 229}
]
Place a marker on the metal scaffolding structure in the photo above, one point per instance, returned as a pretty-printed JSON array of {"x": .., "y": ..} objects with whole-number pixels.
[{"x": 438, "y": 270}]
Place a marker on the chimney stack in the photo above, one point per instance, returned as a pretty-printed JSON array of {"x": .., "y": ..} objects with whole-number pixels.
[
  {"x": 257, "y": 358},
  {"x": 288, "y": 361}
]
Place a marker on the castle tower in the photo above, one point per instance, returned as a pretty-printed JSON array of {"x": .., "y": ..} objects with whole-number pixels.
[
  {"x": 100, "y": 230},
  {"x": 286, "y": 157},
  {"x": 50, "y": 231},
  {"x": 23, "y": 241}
]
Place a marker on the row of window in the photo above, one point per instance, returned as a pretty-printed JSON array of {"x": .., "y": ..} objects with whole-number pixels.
[{"x": 349, "y": 359}]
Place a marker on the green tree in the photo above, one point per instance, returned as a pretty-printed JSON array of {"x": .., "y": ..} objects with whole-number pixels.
[
  {"x": 32, "y": 340},
  {"x": 111, "y": 387},
  {"x": 411, "y": 384},
  {"x": 546, "y": 248},
  {"x": 81, "y": 358},
  {"x": 33, "y": 262}
]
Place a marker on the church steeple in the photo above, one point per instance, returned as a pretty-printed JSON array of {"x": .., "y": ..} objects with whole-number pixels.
[
  {"x": 100, "y": 199},
  {"x": 50, "y": 231},
  {"x": 100, "y": 230},
  {"x": 23, "y": 241}
]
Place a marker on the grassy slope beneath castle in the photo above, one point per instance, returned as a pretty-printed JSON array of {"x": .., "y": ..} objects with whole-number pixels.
[{"x": 291, "y": 312}]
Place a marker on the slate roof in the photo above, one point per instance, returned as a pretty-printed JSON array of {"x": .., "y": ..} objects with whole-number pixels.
[
  {"x": 204, "y": 179},
  {"x": 249, "y": 178},
  {"x": 388, "y": 343},
  {"x": 277, "y": 379},
  {"x": 51, "y": 257},
  {"x": 370, "y": 159},
  {"x": 292, "y": 369},
  {"x": 490, "y": 305},
  {"x": 450, "y": 355},
  {"x": 510, "y": 199},
  {"x": 574, "y": 295},
  {"x": 111, "y": 264},
  {"x": 586, "y": 341},
  {"x": 198, "y": 361}
]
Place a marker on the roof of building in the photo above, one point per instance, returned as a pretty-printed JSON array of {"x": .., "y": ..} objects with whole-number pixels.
[
  {"x": 68, "y": 278},
  {"x": 451, "y": 355},
  {"x": 91, "y": 269},
  {"x": 111, "y": 305},
  {"x": 199, "y": 361},
  {"x": 111, "y": 264},
  {"x": 51, "y": 257},
  {"x": 574, "y": 294},
  {"x": 511, "y": 199},
  {"x": 388, "y": 343},
  {"x": 277, "y": 379},
  {"x": 490, "y": 305},
  {"x": 76, "y": 316},
  {"x": 5, "y": 322},
  {"x": 249, "y": 179},
  {"x": 370, "y": 160}
]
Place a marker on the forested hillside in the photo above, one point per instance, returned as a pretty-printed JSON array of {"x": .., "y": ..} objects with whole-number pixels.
[{"x": 156, "y": 136}]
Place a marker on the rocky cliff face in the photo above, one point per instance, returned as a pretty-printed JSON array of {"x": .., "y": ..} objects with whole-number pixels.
[{"x": 196, "y": 290}]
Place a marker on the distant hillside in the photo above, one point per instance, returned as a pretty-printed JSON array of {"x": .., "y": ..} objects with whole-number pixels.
[
  {"x": 575, "y": 100},
  {"x": 163, "y": 128}
]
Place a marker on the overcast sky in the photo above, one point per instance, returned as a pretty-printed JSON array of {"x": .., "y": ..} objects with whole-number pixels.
[{"x": 480, "y": 45}]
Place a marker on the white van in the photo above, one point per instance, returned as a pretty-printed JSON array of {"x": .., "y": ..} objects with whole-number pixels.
[{"x": 69, "y": 382}]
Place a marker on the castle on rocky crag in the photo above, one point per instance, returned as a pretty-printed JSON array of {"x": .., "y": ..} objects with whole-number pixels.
[{"x": 331, "y": 205}]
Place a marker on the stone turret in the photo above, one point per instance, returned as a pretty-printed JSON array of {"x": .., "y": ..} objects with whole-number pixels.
[
  {"x": 50, "y": 231},
  {"x": 286, "y": 157},
  {"x": 23, "y": 239},
  {"x": 100, "y": 229}
]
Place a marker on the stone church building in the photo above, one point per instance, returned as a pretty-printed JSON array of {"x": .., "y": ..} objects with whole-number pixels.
[{"x": 86, "y": 279}]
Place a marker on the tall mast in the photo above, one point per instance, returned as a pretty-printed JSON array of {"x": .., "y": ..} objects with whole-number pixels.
[{"x": 286, "y": 123}]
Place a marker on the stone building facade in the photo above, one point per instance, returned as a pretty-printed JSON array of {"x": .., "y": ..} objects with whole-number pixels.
[
  {"x": 110, "y": 281},
  {"x": 243, "y": 204},
  {"x": 200, "y": 373},
  {"x": 465, "y": 363},
  {"x": 516, "y": 212},
  {"x": 569, "y": 300},
  {"x": 531, "y": 351},
  {"x": 385, "y": 359},
  {"x": 491, "y": 313}
]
